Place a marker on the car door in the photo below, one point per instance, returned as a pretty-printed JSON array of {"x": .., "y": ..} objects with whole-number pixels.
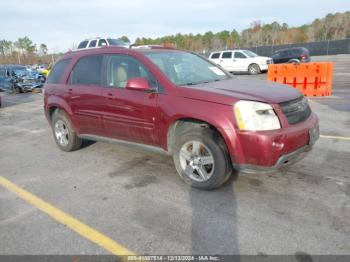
[
  {"x": 85, "y": 94},
  {"x": 227, "y": 61},
  {"x": 6, "y": 82},
  {"x": 240, "y": 62},
  {"x": 129, "y": 114}
]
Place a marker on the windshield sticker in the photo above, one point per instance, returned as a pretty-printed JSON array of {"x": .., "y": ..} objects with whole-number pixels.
[{"x": 216, "y": 70}]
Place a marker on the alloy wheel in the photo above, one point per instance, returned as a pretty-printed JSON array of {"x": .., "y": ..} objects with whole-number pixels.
[{"x": 196, "y": 161}]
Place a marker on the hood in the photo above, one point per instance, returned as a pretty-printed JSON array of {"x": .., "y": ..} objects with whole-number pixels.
[{"x": 230, "y": 90}]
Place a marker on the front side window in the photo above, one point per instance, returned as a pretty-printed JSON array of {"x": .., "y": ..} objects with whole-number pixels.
[
  {"x": 120, "y": 68},
  {"x": 57, "y": 71},
  {"x": 102, "y": 42},
  {"x": 239, "y": 55},
  {"x": 184, "y": 68},
  {"x": 87, "y": 71},
  {"x": 226, "y": 55}
]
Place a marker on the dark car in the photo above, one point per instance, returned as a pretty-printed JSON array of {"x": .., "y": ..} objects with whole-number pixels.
[
  {"x": 18, "y": 78},
  {"x": 291, "y": 55},
  {"x": 180, "y": 103}
]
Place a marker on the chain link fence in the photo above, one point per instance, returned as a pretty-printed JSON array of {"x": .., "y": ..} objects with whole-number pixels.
[{"x": 330, "y": 47}]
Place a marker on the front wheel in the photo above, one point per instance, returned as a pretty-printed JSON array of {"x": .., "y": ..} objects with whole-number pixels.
[
  {"x": 201, "y": 158},
  {"x": 254, "y": 69}
]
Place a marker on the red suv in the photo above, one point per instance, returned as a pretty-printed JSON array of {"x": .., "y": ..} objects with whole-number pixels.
[{"x": 209, "y": 121}]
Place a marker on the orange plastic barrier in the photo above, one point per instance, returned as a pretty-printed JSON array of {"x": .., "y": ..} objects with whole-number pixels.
[{"x": 312, "y": 79}]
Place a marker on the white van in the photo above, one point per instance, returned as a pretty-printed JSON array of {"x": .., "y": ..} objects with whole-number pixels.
[{"x": 241, "y": 61}]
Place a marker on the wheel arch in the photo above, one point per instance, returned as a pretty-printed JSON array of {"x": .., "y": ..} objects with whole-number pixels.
[
  {"x": 188, "y": 123},
  {"x": 294, "y": 60}
]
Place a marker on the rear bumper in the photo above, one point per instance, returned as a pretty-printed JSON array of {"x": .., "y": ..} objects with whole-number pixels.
[{"x": 283, "y": 161}]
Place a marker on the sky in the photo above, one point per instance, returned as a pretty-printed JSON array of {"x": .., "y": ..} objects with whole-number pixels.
[{"x": 61, "y": 23}]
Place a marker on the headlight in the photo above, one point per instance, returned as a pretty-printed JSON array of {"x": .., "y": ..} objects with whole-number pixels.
[{"x": 255, "y": 116}]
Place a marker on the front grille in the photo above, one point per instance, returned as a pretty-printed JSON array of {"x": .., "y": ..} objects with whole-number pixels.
[
  {"x": 296, "y": 110},
  {"x": 270, "y": 61}
]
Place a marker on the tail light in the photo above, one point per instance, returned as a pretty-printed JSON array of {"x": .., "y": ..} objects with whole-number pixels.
[{"x": 303, "y": 56}]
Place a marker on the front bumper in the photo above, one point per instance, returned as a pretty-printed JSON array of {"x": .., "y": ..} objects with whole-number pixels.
[
  {"x": 29, "y": 87},
  {"x": 264, "y": 67},
  {"x": 268, "y": 151},
  {"x": 283, "y": 161}
]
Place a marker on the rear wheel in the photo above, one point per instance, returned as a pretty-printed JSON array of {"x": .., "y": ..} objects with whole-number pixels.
[
  {"x": 201, "y": 158},
  {"x": 64, "y": 134},
  {"x": 254, "y": 69},
  {"x": 294, "y": 61}
]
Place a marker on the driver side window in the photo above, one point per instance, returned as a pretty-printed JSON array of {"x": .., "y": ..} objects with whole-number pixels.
[{"x": 120, "y": 68}]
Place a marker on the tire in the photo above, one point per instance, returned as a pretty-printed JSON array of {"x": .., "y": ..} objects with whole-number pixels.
[
  {"x": 64, "y": 134},
  {"x": 294, "y": 61},
  {"x": 211, "y": 149},
  {"x": 254, "y": 69}
]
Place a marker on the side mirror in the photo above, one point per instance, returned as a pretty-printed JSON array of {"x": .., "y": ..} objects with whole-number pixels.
[{"x": 138, "y": 83}]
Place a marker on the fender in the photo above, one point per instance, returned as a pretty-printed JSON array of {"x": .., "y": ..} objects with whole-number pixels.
[
  {"x": 55, "y": 101},
  {"x": 200, "y": 111}
]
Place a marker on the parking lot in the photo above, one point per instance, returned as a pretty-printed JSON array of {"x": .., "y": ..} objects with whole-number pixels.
[{"x": 136, "y": 198}]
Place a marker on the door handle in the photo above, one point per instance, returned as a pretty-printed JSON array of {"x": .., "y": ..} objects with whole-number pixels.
[
  {"x": 234, "y": 59},
  {"x": 109, "y": 96},
  {"x": 70, "y": 91}
]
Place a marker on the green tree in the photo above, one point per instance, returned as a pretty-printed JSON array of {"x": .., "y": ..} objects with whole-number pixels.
[
  {"x": 124, "y": 38},
  {"x": 25, "y": 45},
  {"x": 207, "y": 39},
  {"x": 6, "y": 47}
]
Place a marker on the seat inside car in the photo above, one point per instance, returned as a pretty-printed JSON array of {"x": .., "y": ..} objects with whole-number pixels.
[{"x": 122, "y": 72}]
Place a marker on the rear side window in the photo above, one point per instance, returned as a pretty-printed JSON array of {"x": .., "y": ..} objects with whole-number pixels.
[
  {"x": 227, "y": 55},
  {"x": 83, "y": 44},
  {"x": 92, "y": 43},
  {"x": 215, "y": 55},
  {"x": 87, "y": 71},
  {"x": 57, "y": 71}
]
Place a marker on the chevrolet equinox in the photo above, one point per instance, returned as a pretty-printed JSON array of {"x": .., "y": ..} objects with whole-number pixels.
[{"x": 209, "y": 121}]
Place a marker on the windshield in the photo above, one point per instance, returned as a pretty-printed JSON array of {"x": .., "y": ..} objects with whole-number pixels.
[
  {"x": 250, "y": 53},
  {"x": 186, "y": 68},
  {"x": 20, "y": 71},
  {"x": 24, "y": 72},
  {"x": 116, "y": 42}
]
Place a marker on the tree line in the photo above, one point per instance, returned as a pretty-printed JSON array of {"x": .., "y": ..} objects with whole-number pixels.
[
  {"x": 23, "y": 51},
  {"x": 331, "y": 27}
]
